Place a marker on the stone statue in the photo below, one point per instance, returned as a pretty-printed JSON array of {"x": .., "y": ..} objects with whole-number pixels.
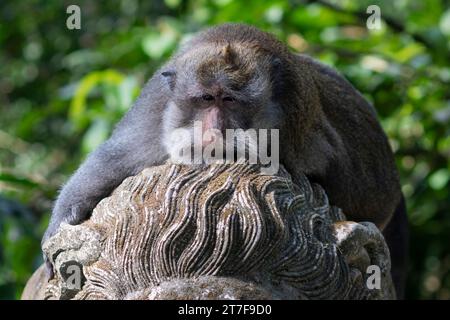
[{"x": 215, "y": 232}]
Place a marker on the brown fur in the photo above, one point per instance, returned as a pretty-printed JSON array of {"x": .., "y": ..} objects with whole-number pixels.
[{"x": 329, "y": 130}]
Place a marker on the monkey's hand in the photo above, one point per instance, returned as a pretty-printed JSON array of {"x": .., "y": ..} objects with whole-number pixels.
[
  {"x": 103, "y": 170},
  {"x": 97, "y": 177},
  {"x": 132, "y": 146},
  {"x": 68, "y": 213}
]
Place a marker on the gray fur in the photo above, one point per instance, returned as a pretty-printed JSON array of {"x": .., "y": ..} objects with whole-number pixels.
[{"x": 327, "y": 129}]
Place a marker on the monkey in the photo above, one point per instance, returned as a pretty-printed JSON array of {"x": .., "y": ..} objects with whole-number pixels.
[{"x": 237, "y": 76}]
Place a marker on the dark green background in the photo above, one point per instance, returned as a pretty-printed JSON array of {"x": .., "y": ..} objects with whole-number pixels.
[{"x": 62, "y": 90}]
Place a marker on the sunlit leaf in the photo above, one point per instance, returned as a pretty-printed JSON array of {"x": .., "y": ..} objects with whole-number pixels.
[
  {"x": 155, "y": 45},
  {"x": 444, "y": 23},
  {"x": 439, "y": 179},
  {"x": 97, "y": 133},
  {"x": 172, "y": 3},
  {"x": 77, "y": 110}
]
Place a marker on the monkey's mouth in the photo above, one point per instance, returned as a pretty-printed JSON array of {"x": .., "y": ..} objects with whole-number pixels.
[
  {"x": 215, "y": 153},
  {"x": 252, "y": 147}
]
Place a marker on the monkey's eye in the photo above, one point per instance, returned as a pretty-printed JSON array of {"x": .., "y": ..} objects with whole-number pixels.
[
  {"x": 207, "y": 97},
  {"x": 228, "y": 99}
]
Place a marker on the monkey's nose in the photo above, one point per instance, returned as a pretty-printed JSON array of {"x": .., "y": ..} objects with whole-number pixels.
[
  {"x": 212, "y": 124},
  {"x": 211, "y": 136}
]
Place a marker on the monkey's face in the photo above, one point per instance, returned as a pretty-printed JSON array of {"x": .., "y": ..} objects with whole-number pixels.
[{"x": 218, "y": 89}]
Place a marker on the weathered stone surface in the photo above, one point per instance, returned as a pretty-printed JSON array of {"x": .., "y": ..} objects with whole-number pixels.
[{"x": 220, "y": 232}]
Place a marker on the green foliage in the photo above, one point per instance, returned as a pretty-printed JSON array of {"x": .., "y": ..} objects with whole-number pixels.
[{"x": 63, "y": 90}]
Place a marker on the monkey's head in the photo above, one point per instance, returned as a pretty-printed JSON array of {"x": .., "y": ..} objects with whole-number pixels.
[{"x": 217, "y": 87}]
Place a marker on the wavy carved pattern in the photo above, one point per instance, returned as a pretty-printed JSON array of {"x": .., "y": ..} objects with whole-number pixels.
[{"x": 221, "y": 232}]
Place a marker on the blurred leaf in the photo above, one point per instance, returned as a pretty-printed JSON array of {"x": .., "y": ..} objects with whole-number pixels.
[
  {"x": 156, "y": 45},
  {"x": 96, "y": 134},
  {"x": 172, "y": 3},
  {"x": 77, "y": 110},
  {"x": 18, "y": 180},
  {"x": 444, "y": 23},
  {"x": 439, "y": 179}
]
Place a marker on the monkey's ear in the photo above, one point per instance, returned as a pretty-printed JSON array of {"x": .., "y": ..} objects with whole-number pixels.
[
  {"x": 228, "y": 54},
  {"x": 169, "y": 76}
]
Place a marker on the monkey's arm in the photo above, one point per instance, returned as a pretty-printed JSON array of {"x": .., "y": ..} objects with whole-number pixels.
[
  {"x": 133, "y": 146},
  {"x": 103, "y": 170}
]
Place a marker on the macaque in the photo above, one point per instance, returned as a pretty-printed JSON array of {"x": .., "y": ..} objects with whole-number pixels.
[{"x": 235, "y": 76}]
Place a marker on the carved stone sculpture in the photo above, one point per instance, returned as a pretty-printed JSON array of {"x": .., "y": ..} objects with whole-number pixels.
[{"x": 216, "y": 232}]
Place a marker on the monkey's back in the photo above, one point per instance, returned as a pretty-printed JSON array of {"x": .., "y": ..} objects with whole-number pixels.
[{"x": 361, "y": 176}]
